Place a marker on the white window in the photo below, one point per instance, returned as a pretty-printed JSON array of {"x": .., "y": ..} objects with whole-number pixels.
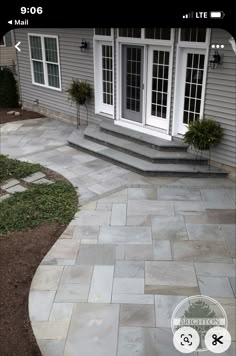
[
  {"x": 45, "y": 66},
  {"x": 2, "y": 42},
  {"x": 103, "y": 66},
  {"x": 193, "y": 34},
  {"x": 158, "y": 33},
  {"x": 130, "y": 32}
]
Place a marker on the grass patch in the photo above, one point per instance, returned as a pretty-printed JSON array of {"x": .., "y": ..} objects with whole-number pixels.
[
  {"x": 11, "y": 168},
  {"x": 55, "y": 202}
]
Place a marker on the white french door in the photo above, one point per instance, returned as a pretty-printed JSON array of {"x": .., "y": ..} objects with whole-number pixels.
[
  {"x": 190, "y": 87},
  {"x": 158, "y": 86}
]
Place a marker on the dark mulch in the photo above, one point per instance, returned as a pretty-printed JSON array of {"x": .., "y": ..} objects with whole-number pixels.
[
  {"x": 24, "y": 115},
  {"x": 20, "y": 255}
]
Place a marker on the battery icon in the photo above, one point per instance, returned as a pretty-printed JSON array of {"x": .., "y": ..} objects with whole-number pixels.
[{"x": 217, "y": 14}]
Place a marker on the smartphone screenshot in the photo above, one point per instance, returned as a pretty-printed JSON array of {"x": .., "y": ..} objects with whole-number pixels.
[{"x": 117, "y": 182}]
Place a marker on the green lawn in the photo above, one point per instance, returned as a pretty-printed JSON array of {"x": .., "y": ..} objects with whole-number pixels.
[{"x": 40, "y": 203}]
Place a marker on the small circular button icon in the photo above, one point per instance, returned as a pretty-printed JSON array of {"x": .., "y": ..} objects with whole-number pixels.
[
  {"x": 186, "y": 339},
  {"x": 217, "y": 339}
]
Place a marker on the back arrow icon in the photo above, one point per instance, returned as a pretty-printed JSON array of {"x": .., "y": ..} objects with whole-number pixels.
[{"x": 17, "y": 46}]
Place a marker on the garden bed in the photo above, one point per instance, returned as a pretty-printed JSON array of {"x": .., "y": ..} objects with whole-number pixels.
[
  {"x": 24, "y": 115},
  {"x": 30, "y": 223}
]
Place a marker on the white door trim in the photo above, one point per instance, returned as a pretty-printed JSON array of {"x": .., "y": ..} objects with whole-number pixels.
[{"x": 199, "y": 48}]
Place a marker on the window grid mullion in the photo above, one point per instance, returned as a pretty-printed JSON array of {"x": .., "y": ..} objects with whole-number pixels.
[{"x": 44, "y": 60}]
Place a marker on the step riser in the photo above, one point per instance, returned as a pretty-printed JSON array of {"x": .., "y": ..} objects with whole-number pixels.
[
  {"x": 149, "y": 173},
  {"x": 148, "y": 159},
  {"x": 150, "y": 145}
]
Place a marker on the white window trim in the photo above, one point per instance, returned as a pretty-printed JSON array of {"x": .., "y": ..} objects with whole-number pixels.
[
  {"x": 101, "y": 108},
  {"x": 4, "y": 42},
  {"x": 42, "y": 36},
  {"x": 188, "y": 45}
]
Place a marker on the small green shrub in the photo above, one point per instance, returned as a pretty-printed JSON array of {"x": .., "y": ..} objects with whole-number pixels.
[
  {"x": 8, "y": 89},
  {"x": 79, "y": 91},
  {"x": 202, "y": 134}
]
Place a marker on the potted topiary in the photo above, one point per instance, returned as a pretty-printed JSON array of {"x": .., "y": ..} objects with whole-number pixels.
[
  {"x": 79, "y": 92},
  {"x": 203, "y": 134}
]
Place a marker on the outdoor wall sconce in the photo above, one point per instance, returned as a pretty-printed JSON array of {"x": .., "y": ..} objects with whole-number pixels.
[
  {"x": 84, "y": 46},
  {"x": 216, "y": 60}
]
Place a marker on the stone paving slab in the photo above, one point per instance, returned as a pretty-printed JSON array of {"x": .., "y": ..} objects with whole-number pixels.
[
  {"x": 137, "y": 315},
  {"x": 5, "y": 196},
  {"x": 125, "y": 235},
  {"x": 178, "y": 278},
  {"x": 10, "y": 183},
  {"x": 47, "y": 278},
  {"x": 33, "y": 177},
  {"x": 215, "y": 287},
  {"x": 149, "y": 207},
  {"x": 15, "y": 189},
  {"x": 40, "y": 304},
  {"x": 93, "y": 330},
  {"x": 101, "y": 285},
  {"x": 206, "y": 232},
  {"x": 51, "y": 347},
  {"x": 201, "y": 251},
  {"x": 169, "y": 228},
  {"x": 96, "y": 255},
  {"x": 43, "y": 181}
]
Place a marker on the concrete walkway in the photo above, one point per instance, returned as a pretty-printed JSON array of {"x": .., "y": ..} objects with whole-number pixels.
[{"x": 134, "y": 250}]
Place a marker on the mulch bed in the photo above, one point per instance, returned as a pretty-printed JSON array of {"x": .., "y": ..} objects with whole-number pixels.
[
  {"x": 20, "y": 255},
  {"x": 24, "y": 115}
]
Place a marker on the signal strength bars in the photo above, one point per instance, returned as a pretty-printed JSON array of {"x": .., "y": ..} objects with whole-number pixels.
[{"x": 190, "y": 15}]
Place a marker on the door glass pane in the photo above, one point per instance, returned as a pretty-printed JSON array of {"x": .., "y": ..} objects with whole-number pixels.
[
  {"x": 133, "y": 78},
  {"x": 193, "y": 87},
  {"x": 107, "y": 74},
  {"x": 160, "y": 77}
]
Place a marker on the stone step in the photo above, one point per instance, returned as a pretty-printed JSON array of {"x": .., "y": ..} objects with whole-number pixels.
[
  {"x": 142, "y": 138},
  {"x": 138, "y": 165},
  {"x": 140, "y": 151}
]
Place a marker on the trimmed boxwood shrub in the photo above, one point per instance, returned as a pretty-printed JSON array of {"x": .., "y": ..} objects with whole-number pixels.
[{"x": 8, "y": 89}]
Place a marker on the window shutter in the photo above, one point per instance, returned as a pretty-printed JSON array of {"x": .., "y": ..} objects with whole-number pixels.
[{"x": 8, "y": 40}]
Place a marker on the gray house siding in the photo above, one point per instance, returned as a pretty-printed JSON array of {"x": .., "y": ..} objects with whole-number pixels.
[
  {"x": 219, "y": 95},
  {"x": 73, "y": 64},
  {"x": 220, "y": 98}
]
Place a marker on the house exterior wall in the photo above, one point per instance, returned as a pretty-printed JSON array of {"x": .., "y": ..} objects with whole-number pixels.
[
  {"x": 219, "y": 94},
  {"x": 220, "y": 98},
  {"x": 8, "y": 52},
  {"x": 74, "y": 64}
]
